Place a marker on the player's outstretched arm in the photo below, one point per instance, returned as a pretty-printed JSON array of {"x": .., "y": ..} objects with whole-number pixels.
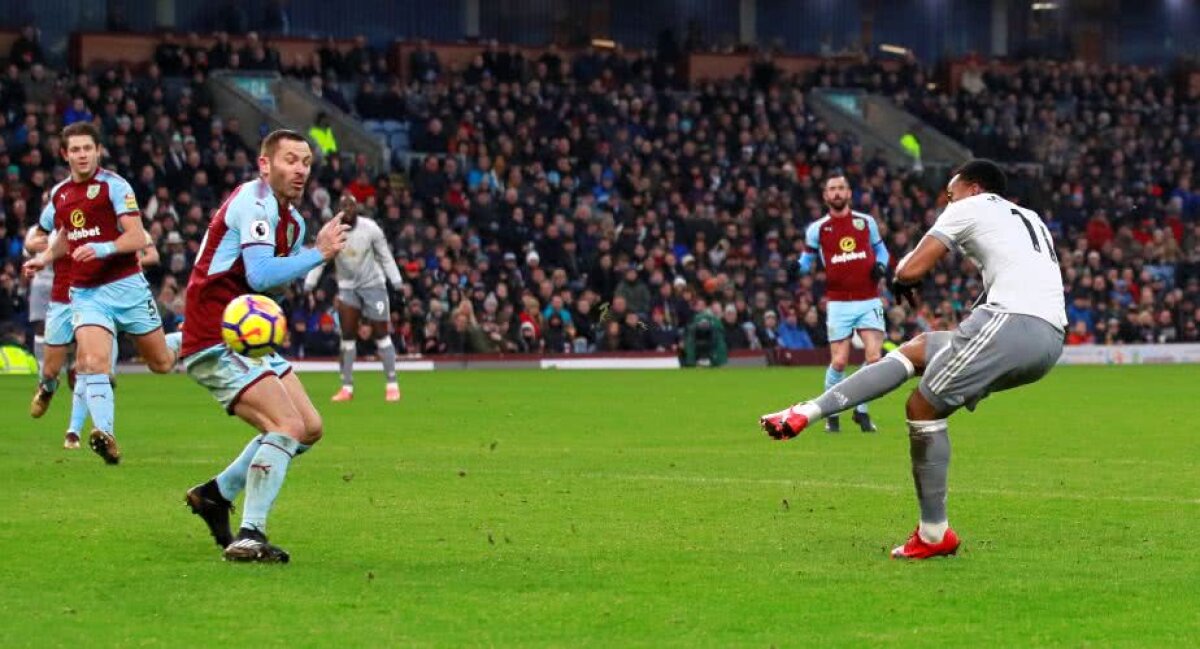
[{"x": 265, "y": 271}]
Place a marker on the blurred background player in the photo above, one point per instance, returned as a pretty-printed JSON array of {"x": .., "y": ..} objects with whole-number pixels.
[
  {"x": 254, "y": 244},
  {"x": 362, "y": 293},
  {"x": 96, "y": 216},
  {"x": 855, "y": 259},
  {"x": 1012, "y": 339},
  {"x": 60, "y": 333}
]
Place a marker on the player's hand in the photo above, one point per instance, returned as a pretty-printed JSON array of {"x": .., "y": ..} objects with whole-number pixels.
[
  {"x": 33, "y": 266},
  {"x": 905, "y": 292},
  {"x": 878, "y": 272},
  {"x": 332, "y": 237},
  {"x": 84, "y": 253}
]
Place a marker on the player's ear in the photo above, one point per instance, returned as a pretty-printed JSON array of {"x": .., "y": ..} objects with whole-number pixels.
[{"x": 264, "y": 164}]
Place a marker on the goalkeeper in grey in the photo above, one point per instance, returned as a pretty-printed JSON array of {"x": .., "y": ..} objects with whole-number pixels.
[
  {"x": 364, "y": 268},
  {"x": 1013, "y": 338}
]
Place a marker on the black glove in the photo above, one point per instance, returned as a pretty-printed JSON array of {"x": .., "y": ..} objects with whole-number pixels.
[
  {"x": 905, "y": 291},
  {"x": 878, "y": 272}
]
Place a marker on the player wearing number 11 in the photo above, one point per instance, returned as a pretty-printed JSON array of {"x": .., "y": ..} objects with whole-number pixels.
[{"x": 1015, "y": 337}]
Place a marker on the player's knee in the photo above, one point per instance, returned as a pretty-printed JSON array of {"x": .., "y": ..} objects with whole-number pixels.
[
  {"x": 873, "y": 355},
  {"x": 838, "y": 363},
  {"x": 290, "y": 425},
  {"x": 160, "y": 365},
  {"x": 314, "y": 429},
  {"x": 89, "y": 363},
  {"x": 918, "y": 408}
]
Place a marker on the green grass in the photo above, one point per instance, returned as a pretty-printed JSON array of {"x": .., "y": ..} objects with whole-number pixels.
[{"x": 615, "y": 509}]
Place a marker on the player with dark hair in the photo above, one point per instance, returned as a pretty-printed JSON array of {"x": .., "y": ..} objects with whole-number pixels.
[
  {"x": 855, "y": 259},
  {"x": 362, "y": 268},
  {"x": 254, "y": 244},
  {"x": 97, "y": 221},
  {"x": 1013, "y": 338}
]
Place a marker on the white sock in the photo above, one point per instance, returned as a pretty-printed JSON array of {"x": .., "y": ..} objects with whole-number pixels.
[
  {"x": 808, "y": 409},
  {"x": 348, "y": 388},
  {"x": 393, "y": 384},
  {"x": 933, "y": 532}
]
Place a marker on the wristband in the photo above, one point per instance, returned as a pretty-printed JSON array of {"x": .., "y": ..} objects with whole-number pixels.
[{"x": 105, "y": 249}]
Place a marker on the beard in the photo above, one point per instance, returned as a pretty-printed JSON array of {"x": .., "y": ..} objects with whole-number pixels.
[{"x": 837, "y": 204}]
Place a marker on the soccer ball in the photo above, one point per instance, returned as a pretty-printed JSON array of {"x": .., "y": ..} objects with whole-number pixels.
[{"x": 253, "y": 325}]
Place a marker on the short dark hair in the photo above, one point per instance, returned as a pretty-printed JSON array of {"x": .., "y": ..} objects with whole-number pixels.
[
  {"x": 833, "y": 176},
  {"x": 271, "y": 142},
  {"x": 87, "y": 129},
  {"x": 985, "y": 173}
]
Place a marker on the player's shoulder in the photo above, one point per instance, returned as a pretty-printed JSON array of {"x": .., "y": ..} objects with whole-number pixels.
[
  {"x": 57, "y": 188},
  {"x": 814, "y": 228},
  {"x": 252, "y": 200},
  {"x": 370, "y": 224},
  {"x": 111, "y": 178}
]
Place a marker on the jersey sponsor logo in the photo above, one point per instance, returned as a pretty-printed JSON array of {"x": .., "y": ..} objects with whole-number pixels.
[
  {"x": 93, "y": 191},
  {"x": 78, "y": 219},
  {"x": 848, "y": 257},
  {"x": 131, "y": 202},
  {"x": 847, "y": 244},
  {"x": 260, "y": 231},
  {"x": 83, "y": 233}
]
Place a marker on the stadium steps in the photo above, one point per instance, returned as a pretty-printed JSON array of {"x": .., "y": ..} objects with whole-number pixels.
[
  {"x": 878, "y": 124},
  {"x": 265, "y": 101}
]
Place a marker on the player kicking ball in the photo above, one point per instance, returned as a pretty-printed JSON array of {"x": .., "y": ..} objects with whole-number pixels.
[
  {"x": 855, "y": 259},
  {"x": 254, "y": 245},
  {"x": 361, "y": 269},
  {"x": 1012, "y": 339},
  {"x": 97, "y": 222}
]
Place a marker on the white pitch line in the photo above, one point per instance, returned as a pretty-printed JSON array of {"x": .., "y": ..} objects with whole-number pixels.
[{"x": 828, "y": 484}]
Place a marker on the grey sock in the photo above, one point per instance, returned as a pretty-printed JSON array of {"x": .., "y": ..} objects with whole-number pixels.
[
  {"x": 867, "y": 384},
  {"x": 929, "y": 446},
  {"x": 387, "y": 354},
  {"x": 347, "y": 364},
  {"x": 39, "y": 350}
]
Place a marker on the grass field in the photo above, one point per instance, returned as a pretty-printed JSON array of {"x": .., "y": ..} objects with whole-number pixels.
[{"x": 615, "y": 509}]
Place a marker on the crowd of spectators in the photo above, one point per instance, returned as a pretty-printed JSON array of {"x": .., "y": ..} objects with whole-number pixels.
[{"x": 592, "y": 201}]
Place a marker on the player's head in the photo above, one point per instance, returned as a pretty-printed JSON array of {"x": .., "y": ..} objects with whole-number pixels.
[
  {"x": 81, "y": 149},
  {"x": 285, "y": 161},
  {"x": 836, "y": 193},
  {"x": 977, "y": 176}
]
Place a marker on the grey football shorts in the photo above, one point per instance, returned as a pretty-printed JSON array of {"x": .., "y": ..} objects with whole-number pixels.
[
  {"x": 988, "y": 352},
  {"x": 371, "y": 302}
]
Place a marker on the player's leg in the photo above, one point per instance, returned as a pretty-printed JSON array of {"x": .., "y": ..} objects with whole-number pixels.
[
  {"x": 377, "y": 311},
  {"x": 839, "y": 357},
  {"x": 873, "y": 350},
  {"x": 54, "y": 357},
  {"x": 94, "y": 344},
  {"x": 79, "y": 410},
  {"x": 988, "y": 353},
  {"x": 867, "y": 384},
  {"x": 136, "y": 313},
  {"x": 348, "y": 315},
  {"x": 160, "y": 351},
  {"x": 39, "y": 338}
]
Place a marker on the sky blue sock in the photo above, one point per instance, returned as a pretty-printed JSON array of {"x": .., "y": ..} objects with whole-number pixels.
[
  {"x": 265, "y": 478},
  {"x": 833, "y": 377},
  {"x": 79, "y": 409},
  {"x": 232, "y": 480},
  {"x": 99, "y": 400}
]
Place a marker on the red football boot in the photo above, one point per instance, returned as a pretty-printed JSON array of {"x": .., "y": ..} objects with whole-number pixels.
[
  {"x": 783, "y": 425},
  {"x": 918, "y": 548}
]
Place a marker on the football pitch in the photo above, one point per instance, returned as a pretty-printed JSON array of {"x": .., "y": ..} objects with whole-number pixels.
[{"x": 614, "y": 509}]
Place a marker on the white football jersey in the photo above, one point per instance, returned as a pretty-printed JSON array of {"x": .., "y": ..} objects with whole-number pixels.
[
  {"x": 364, "y": 262},
  {"x": 1013, "y": 249}
]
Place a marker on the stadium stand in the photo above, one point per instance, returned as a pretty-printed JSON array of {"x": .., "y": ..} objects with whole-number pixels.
[{"x": 565, "y": 201}]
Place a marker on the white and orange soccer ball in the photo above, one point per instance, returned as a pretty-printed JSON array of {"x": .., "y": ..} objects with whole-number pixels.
[{"x": 253, "y": 325}]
